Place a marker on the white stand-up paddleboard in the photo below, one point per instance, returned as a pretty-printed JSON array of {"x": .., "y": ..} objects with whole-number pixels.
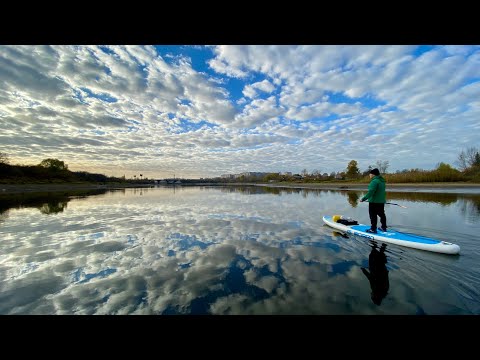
[{"x": 396, "y": 237}]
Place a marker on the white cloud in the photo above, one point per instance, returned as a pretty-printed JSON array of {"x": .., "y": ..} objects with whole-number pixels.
[
  {"x": 264, "y": 86},
  {"x": 249, "y": 92}
]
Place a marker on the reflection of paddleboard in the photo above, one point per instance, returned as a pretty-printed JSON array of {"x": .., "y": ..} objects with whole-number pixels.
[{"x": 396, "y": 237}]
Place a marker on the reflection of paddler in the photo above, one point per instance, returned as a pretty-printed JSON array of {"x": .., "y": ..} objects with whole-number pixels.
[{"x": 378, "y": 274}]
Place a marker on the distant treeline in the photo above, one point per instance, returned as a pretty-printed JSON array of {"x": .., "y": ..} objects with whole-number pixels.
[
  {"x": 56, "y": 171},
  {"x": 469, "y": 164},
  {"x": 19, "y": 174},
  {"x": 443, "y": 173}
]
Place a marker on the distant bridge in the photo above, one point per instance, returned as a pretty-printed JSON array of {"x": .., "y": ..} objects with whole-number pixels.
[{"x": 168, "y": 181}]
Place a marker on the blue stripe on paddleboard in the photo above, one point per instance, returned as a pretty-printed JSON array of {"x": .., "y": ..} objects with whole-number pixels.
[
  {"x": 397, "y": 235},
  {"x": 392, "y": 234}
]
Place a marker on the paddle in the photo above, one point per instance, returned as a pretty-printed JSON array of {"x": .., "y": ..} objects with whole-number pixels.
[{"x": 395, "y": 204}]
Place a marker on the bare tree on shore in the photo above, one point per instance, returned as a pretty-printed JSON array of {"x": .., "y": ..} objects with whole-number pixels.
[
  {"x": 3, "y": 158},
  {"x": 382, "y": 166},
  {"x": 468, "y": 158}
]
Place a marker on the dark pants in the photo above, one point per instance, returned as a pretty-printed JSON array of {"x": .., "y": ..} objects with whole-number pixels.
[{"x": 374, "y": 210}]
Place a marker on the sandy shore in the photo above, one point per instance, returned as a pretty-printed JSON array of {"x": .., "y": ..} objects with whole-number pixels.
[{"x": 457, "y": 187}]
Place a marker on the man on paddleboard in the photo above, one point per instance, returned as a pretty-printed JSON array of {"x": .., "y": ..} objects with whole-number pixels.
[{"x": 376, "y": 197}]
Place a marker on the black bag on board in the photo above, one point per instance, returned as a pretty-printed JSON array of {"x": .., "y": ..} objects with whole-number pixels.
[{"x": 347, "y": 222}]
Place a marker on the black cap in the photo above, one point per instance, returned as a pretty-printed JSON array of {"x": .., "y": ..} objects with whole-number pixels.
[{"x": 375, "y": 172}]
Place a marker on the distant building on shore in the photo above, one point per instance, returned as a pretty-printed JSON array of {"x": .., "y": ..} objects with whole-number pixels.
[{"x": 255, "y": 174}]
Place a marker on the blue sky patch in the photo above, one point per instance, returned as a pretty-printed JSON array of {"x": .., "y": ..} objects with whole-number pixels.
[
  {"x": 188, "y": 126},
  {"x": 419, "y": 51},
  {"x": 199, "y": 55},
  {"x": 103, "y": 97},
  {"x": 366, "y": 101},
  {"x": 81, "y": 277}
]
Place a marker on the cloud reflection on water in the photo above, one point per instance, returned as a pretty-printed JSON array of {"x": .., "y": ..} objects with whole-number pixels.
[{"x": 195, "y": 253}]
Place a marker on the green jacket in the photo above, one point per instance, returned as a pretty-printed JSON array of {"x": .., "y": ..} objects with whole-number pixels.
[{"x": 376, "y": 190}]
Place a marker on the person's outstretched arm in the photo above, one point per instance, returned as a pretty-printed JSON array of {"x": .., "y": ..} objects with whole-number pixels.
[{"x": 372, "y": 187}]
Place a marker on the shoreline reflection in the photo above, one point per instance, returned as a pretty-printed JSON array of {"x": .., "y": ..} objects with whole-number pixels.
[{"x": 46, "y": 202}]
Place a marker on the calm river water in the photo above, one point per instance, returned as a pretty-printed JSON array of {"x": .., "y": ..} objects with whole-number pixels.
[{"x": 214, "y": 250}]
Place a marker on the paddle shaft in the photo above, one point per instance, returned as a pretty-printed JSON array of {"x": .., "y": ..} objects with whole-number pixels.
[
  {"x": 389, "y": 203},
  {"x": 396, "y": 204}
]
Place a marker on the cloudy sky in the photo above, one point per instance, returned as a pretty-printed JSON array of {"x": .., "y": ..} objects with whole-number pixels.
[{"x": 203, "y": 111}]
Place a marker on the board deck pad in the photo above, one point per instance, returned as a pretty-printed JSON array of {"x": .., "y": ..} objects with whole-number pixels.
[{"x": 397, "y": 235}]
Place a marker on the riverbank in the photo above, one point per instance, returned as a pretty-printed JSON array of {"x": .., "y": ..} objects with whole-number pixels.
[
  {"x": 30, "y": 188},
  {"x": 456, "y": 187}
]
